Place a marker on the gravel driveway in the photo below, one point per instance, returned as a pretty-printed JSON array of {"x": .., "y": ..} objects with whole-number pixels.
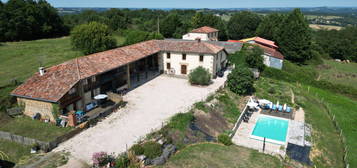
[{"x": 148, "y": 107}]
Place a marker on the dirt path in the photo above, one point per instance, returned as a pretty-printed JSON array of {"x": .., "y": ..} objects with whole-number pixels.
[{"x": 148, "y": 107}]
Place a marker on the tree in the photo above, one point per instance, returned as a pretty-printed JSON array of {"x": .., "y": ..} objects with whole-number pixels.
[
  {"x": 136, "y": 36},
  {"x": 253, "y": 57},
  {"x": 269, "y": 27},
  {"x": 199, "y": 76},
  {"x": 241, "y": 81},
  {"x": 294, "y": 37},
  {"x": 243, "y": 25},
  {"x": 92, "y": 37},
  {"x": 116, "y": 19},
  {"x": 28, "y": 20},
  {"x": 170, "y": 25}
]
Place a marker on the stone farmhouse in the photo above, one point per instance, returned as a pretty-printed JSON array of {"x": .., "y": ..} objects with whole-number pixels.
[
  {"x": 72, "y": 85},
  {"x": 204, "y": 33}
]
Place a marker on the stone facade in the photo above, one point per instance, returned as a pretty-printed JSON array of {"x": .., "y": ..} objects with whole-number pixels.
[{"x": 33, "y": 107}]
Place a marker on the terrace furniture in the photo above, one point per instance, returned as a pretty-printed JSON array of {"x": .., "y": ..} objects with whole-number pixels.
[
  {"x": 273, "y": 107},
  {"x": 280, "y": 108},
  {"x": 288, "y": 109}
]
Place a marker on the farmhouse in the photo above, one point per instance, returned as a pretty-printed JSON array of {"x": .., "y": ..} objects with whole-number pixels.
[
  {"x": 203, "y": 33},
  {"x": 72, "y": 85},
  {"x": 272, "y": 57}
]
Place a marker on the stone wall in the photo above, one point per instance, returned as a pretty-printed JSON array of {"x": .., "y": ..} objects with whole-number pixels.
[{"x": 31, "y": 107}]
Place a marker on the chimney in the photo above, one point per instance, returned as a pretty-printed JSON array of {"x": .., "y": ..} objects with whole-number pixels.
[{"x": 41, "y": 70}]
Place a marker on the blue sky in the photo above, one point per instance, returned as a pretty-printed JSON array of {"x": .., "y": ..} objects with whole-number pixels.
[{"x": 201, "y": 3}]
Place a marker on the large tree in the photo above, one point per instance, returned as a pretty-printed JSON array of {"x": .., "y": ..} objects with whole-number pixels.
[
  {"x": 241, "y": 81},
  {"x": 253, "y": 57},
  {"x": 170, "y": 25},
  {"x": 270, "y": 25},
  {"x": 136, "y": 36},
  {"x": 243, "y": 25},
  {"x": 92, "y": 37},
  {"x": 28, "y": 20},
  {"x": 116, "y": 19},
  {"x": 294, "y": 37}
]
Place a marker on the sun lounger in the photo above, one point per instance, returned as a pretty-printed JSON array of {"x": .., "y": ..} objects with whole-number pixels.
[
  {"x": 288, "y": 110},
  {"x": 273, "y": 108},
  {"x": 280, "y": 108}
]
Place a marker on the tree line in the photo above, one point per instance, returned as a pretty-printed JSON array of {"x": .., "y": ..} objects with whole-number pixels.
[{"x": 28, "y": 20}]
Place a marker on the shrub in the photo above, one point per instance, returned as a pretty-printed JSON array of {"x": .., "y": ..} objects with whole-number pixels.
[
  {"x": 122, "y": 161},
  {"x": 152, "y": 149},
  {"x": 224, "y": 139},
  {"x": 92, "y": 37},
  {"x": 137, "y": 149},
  {"x": 101, "y": 159},
  {"x": 254, "y": 58},
  {"x": 241, "y": 81},
  {"x": 199, "y": 76}
]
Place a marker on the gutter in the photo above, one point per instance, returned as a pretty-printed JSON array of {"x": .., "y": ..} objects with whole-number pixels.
[{"x": 38, "y": 99}]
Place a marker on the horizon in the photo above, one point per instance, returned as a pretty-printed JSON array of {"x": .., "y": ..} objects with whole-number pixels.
[{"x": 200, "y": 4}]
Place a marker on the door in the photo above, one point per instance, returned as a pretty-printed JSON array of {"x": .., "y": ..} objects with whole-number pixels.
[{"x": 184, "y": 69}]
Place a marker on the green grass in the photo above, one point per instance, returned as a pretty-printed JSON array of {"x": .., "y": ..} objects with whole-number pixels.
[
  {"x": 327, "y": 149},
  {"x": 180, "y": 121},
  {"x": 19, "y": 60},
  {"x": 339, "y": 73},
  {"x": 14, "y": 150},
  {"x": 230, "y": 105},
  {"x": 220, "y": 156},
  {"x": 27, "y": 127}
]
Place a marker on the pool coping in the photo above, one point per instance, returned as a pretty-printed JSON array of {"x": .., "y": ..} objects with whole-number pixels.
[{"x": 267, "y": 139}]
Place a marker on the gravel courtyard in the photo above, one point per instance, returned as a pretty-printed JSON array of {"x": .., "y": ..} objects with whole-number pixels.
[{"x": 148, "y": 107}]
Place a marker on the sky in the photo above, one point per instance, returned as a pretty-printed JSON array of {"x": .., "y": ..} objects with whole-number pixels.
[{"x": 202, "y": 3}]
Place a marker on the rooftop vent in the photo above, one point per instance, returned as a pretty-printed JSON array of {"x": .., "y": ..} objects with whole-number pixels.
[{"x": 41, "y": 70}]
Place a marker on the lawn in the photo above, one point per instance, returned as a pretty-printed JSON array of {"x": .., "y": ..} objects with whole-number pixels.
[
  {"x": 19, "y": 60},
  {"x": 217, "y": 155},
  {"x": 327, "y": 148},
  {"x": 339, "y": 73},
  {"x": 27, "y": 127},
  {"x": 14, "y": 150}
]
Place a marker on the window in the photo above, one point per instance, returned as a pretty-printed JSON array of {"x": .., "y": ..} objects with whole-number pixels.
[
  {"x": 168, "y": 66},
  {"x": 183, "y": 56},
  {"x": 201, "y": 58},
  {"x": 168, "y": 55}
]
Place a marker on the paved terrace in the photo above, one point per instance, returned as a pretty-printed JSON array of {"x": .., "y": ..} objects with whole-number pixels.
[{"x": 148, "y": 107}]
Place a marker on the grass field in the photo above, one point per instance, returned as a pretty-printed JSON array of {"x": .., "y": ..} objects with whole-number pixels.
[
  {"x": 19, "y": 60},
  {"x": 339, "y": 73},
  {"x": 13, "y": 150},
  {"x": 217, "y": 155},
  {"x": 27, "y": 127},
  {"x": 327, "y": 27}
]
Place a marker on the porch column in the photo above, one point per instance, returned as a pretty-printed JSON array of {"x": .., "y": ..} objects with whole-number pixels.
[
  {"x": 146, "y": 67},
  {"x": 128, "y": 75}
]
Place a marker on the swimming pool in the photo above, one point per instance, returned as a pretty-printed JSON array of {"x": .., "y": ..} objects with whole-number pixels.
[{"x": 272, "y": 128}]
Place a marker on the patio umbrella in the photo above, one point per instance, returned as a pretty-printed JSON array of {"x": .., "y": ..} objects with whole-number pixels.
[
  {"x": 252, "y": 105},
  {"x": 101, "y": 97},
  {"x": 284, "y": 108}
]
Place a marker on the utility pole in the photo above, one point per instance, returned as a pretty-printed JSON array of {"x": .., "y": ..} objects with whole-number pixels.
[{"x": 158, "y": 24}]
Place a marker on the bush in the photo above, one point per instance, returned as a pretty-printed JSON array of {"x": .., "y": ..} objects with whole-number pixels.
[
  {"x": 224, "y": 139},
  {"x": 199, "y": 76},
  {"x": 241, "y": 81},
  {"x": 152, "y": 149},
  {"x": 254, "y": 58},
  {"x": 137, "y": 149},
  {"x": 92, "y": 37},
  {"x": 122, "y": 161},
  {"x": 101, "y": 159}
]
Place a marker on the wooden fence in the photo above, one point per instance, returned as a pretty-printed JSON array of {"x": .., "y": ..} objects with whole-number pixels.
[{"x": 339, "y": 129}]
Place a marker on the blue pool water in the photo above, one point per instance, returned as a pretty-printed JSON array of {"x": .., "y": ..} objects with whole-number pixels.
[{"x": 271, "y": 128}]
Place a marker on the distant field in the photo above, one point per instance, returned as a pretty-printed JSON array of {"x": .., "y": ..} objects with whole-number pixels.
[
  {"x": 339, "y": 73},
  {"x": 328, "y": 27},
  {"x": 19, "y": 60},
  {"x": 323, "y": 17},
  {"x": 217, "y": 155}
]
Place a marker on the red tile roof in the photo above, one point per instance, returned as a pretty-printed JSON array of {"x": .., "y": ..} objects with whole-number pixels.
[
  {"x": 204, "y": 29},
  {"x": 271, "y": 51},
  {"x": 265, "y": 42},
  {"x": 235, "y": 41},
  {"x": 59, "y": 79}
]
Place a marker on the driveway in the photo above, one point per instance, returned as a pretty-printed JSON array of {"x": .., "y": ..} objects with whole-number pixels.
[{"x": 149, "y": 106}]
